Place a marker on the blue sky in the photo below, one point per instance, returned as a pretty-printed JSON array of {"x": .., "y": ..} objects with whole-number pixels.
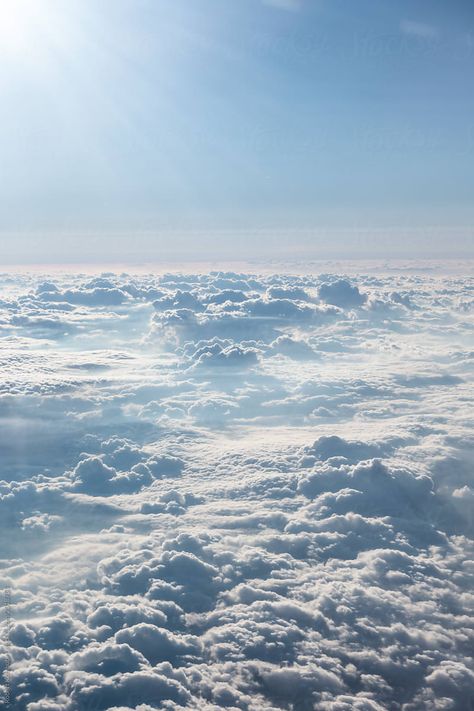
[{"x": 133, "y": 128}]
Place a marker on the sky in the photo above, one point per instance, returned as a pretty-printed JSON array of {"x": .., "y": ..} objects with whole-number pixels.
[{"x": 145, "y": 129}]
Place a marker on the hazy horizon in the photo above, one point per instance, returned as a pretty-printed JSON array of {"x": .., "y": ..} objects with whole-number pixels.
[{"x": 230, "y": 246}]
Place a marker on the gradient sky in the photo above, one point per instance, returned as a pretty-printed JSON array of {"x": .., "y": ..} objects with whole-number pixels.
[{"x": 132, "y": 129}]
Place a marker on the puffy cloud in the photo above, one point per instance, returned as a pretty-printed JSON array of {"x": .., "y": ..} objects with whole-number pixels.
[
  {"x": 341, "y": 293},
  {"x": 92, "y": 476},
  {"x": 327, "y": 447},
  {"x": 221, "y": 354},
  {"x": 236, "y": 491},
  {"x": 159, "y": 645},
  {"x": 87, "y": 690},
  {"x": 98, "y": 296},
  {"x": 224, "y": 295},
  {"x": 107, "y": 659},
  {"x": 295, "y": 349}
]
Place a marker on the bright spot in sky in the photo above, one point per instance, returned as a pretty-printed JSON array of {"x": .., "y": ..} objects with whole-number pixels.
[{"x": 19, "y": 24}]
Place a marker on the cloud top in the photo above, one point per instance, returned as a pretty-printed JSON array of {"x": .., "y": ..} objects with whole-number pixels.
[{"x": 237, "y": 491}]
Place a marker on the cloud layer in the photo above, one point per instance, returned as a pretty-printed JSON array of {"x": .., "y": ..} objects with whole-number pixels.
[{"x": 237, "y": 491}]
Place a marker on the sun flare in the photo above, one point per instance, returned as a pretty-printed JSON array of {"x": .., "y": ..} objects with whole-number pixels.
[{"x": 22, "y": 23}]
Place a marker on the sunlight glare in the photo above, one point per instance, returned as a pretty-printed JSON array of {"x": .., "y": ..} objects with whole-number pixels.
[{"x": 21, "y": 23}]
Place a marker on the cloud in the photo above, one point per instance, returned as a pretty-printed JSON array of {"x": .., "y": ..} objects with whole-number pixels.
[
  {"x": 92, "y": 476},
  {"x": 87, "y": 690},
  {"x": 341, "y": 293},
  {"x": 159, "y": 645},
  {"x": 219, "y": 353},
  {"x": 237, "y": 491},
  {"x": 107, "y": 659},
  {"x": 98, "y": 296}
]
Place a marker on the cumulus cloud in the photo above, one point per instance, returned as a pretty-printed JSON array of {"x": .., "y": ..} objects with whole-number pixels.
[
  {"x": 341, "y": 293},
  {"x": 237, "y": 491}
]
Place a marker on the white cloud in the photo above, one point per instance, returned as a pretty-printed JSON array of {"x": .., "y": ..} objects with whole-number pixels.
[
  {"x": 237, "y": 491},
  {"x": 341, "y": 293}
]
